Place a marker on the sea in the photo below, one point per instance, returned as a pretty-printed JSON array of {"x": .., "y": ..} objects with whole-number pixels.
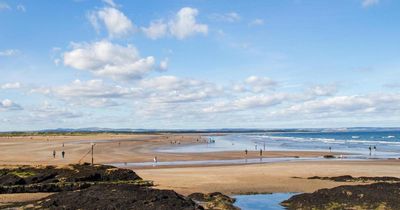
[{"x": 383, "y": 144}]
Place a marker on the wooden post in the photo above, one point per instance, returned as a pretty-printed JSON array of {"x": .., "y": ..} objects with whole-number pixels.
[{"x": 92, "y": 153}]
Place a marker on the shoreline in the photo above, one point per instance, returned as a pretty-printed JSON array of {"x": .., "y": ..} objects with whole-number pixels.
[
  {"x": 227, "y": 178},
  {"x": 120, "y": 149}
]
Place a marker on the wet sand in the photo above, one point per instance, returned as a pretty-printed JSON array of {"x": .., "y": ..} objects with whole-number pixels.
[
  {"x": 6, "y": 199},
  {"x": 112, "y": 148}
]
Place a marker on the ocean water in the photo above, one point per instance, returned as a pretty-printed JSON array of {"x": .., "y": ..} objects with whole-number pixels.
[
  {"x": 387, "y": 143},
  {"x": 211, "y": 162},
  {"x": 262, "y": 201}
]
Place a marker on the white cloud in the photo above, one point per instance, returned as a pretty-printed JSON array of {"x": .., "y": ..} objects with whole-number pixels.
[
  {"x": 259, "y": 84},
  {"x": 255, "y": 84},
  {"x": 8, "y": 105},
  {"x": 157, "y": 29},
  {"x": 92, "y": 17},
  {"x": 247, "y": 102},
  {"x": 184, "y": 24},
  {"x": 4, "y": 6},
  {"x": 49, "y": 112},
  {"x": 111, "y": 60},
  {"x": 116, "y": 23},
  {"x": 345, "y": 105},
  {"x": 21, "y": 8},
  {"x": 227, "y": 17},
  {"x": 164, "y": 64},
  {"x": 181, "y": 26},
  {"x": 110, "y": 2},
  {"x": 259, "y": 101},
  {"x": 171, "y": 89},
  {"x": 93, "y": 93},
  {"x": 369, "y": 3},
  {"x": 257, "y": 22},
  {"x": 15, "y": 85},
  {"x": 9, "y": 52},
  {"x": 322, "y": 90},
  {"x": 90, "y": 89}
]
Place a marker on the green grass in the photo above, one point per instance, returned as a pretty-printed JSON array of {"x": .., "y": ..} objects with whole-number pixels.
[{"x": 23, "y": 174}]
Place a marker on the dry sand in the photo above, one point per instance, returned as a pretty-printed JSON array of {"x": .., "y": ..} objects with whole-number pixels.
[{"x": 268, "y": 177}]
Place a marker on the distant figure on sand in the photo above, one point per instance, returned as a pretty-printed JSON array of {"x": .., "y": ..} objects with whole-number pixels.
[
  {"x": 374, "y": 148},
  {"x": 330, "y": 149},
  {"x": 54, "y": 154},
  {"x": 63, "y": 154},
  {"x": 255, "y": 146},
  {"x": 155, "y": 159},
  {"x": 245, "y": 151},
  {"x": 260, "y": 152},
  {"x": 370, "y": 150}
]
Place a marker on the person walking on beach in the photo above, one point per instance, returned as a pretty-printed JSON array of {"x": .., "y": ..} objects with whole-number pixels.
[
  {"x": 370, "y": 150},
  {"x": 63, "y": 154},
  {"x": 54, "y": 153},
  {"x": 330, "y": 149},
  {"x": 245, "y": 151},
  {"x": 155, "y": 159},
  {"x": 374, "y": 148},
  {"x": 255, "y": 146},
  {"x": 261, "y": 152}
]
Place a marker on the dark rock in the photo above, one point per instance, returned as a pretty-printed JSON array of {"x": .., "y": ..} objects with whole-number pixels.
[
  {"x": 372, "y": 196},
  {"x": 51, "y": 179},
  {"x": 200, "y": 197},
  {"x": 91, "y": 187},
  {"x": 99, "y": 173},
  {"x": 329, "y": 156},
  {"x": 27, "y": 175},
  {"x": 214, "y": 200},
  {"x": 42, "y": 178},
  {"x": 348, "y": 178},
  {"x": 11, "y": 179},
  {"x": 48, "y": 187},
  {"x": 117, "y": 196}
]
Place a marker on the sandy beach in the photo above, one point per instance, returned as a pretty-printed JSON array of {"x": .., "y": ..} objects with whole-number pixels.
[
  {"x": 229, "y": 179},
  {"x": 111, "y": 148},
  {"x": 266, "y": 178}
]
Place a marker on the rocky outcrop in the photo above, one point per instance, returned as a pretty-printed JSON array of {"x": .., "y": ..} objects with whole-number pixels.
[
  {"x": 100, "y": 187},
  {"x": 11, "y": 179},
  {"x": 52, "y": 179},
  {"x": 117, "y": 196},
  {"x": 214, "y": 200},
  {"x": 90, "y": 187},
  {"x": 372, "y": 196},
  {"x": 348, "y": 178}
]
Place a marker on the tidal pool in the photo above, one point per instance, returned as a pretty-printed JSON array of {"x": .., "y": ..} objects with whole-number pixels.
[
  {"x": 212, "y": 162},
  {"x": 262, "y": 201}
]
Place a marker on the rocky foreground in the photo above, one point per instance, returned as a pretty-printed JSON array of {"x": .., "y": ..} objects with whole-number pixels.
[
  {"x": 106, "y": 187},
  {"x": 380, "y": 195},
  {"x": 94, "y": 187}
]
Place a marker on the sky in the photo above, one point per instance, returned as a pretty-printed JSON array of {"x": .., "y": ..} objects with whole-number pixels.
[{"x": 196, "y": 64}]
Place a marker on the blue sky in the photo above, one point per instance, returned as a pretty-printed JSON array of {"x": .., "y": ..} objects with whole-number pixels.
[{"x": 199, "y": 64}]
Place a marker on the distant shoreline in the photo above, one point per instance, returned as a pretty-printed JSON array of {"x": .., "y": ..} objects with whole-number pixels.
[{"x": 92, "y": 131}]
